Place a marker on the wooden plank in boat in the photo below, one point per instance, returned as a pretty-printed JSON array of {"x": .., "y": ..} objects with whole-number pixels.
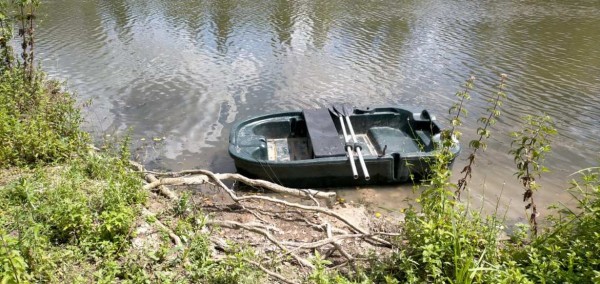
[{"x": 323, "y": 135}]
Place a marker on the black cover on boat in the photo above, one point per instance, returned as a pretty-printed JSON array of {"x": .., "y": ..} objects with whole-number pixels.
[{"x": 324, "y": 138}]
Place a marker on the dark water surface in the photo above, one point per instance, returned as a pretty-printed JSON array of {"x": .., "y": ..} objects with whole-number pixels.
[{"x": 185, "y": 70}]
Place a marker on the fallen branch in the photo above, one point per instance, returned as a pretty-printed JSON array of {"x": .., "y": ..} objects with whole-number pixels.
[
  {"x": 310, "y": 193},
  {"x": 198, "y": 177},
  {"x": 236, "y": 198},
  {"x": 324, "y": 227},
  {"x": 205, "y": 177},
  {"x": 265, "y": 228},
  {"x": 313, "y": 225},
  {"x": 315, "y": 209},
  {"x": 342, "y": 251},
  {"x": 152, "y": 179},
  {"x": 329, "y": 240}
]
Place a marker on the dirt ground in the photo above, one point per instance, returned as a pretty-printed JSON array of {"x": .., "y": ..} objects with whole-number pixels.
[{"x": 291, "y": 227}]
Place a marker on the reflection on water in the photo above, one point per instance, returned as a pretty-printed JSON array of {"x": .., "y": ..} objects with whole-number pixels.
[{"x": 185, "y": 70}]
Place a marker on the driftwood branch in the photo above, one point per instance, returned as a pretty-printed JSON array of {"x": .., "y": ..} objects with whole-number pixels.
[
  {"x": 329, "y": 240},
  {"x": 235, "y": 198},
  {"x": 161, "y": 189},
  {"x": 204, "y": 176},
  {"x": 199, "y": 177},
  {"x": 339, "y": 247}
]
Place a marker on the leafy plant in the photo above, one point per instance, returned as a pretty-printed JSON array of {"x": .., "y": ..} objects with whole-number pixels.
[
  {"x": 569, "y": 249},
  {"x": 484, "y": 133},
  {"x": 39, "y": 123},
  {"x": 65, "y": 210},
  {"x": 443, "y": 241},
  {"x": 21, "y": 13},
  {"x": 321, "y": 275},
  {"x": 6, "y": 34},
  {"x": 530, "y": 146},
  {"x": 458, "y": 108},
  {"x": 13, "y": 268}
]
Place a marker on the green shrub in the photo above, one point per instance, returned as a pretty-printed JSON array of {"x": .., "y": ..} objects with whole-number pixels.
[
  {"x": 13, "y": 268},
  {"x": 66, "y": 211},
  {"x": 445, "y": 242},
  {"x": 569, "y": 249},
  {"x": 39, "y": 123},
  {"x": 457, "y": 246}
]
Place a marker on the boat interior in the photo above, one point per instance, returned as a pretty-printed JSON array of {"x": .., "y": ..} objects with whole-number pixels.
[{"x": 317, "y": 133}]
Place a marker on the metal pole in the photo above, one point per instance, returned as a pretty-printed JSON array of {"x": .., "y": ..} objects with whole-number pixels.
[
  {"x": 360, "y": 156},
  {"x": 349, "y": 150}
]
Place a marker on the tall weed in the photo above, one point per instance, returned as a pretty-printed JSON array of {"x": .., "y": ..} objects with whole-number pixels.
[
  {"x": 531, "y": 144},
  {"x": 443, "y": 241}
]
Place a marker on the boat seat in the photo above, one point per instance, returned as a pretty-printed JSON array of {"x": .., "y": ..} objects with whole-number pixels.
[
  {"x": 324, "y": 137},
  {"x": 397, "y": 141}
]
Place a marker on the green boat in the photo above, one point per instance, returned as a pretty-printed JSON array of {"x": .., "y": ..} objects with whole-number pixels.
[{"x": 337, "y": 146}]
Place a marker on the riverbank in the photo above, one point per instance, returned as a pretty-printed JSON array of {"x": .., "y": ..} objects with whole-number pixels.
[
  {"x": 73, "y": 212},
  {"x": 91, "y": 220},
  {"x": 114, "y": 222}
]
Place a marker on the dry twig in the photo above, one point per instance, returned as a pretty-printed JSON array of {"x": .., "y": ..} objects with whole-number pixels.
[
  {"x": 266, "y": 234},
  {"x": 161, "y": 226}
]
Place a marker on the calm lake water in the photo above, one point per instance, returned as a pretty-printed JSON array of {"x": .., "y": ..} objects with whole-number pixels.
[{"x": 182, "y": 71}]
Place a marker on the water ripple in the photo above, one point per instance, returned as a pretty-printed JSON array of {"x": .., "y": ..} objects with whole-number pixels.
[{"x": 187, "y": 69}]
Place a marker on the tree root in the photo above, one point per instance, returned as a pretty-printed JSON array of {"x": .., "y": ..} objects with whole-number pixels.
[
  {"x": 333, "y": 237},
  {"x": 176, "y": 240},
  {"x": 201, "y": 177},
  {"x": 150, "y": 178},
  {"x": 266, "y": 234}
]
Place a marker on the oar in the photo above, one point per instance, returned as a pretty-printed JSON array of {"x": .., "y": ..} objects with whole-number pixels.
[
  {"x": 347, "y": 111},
  {"x": 346, "y": 140}
]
